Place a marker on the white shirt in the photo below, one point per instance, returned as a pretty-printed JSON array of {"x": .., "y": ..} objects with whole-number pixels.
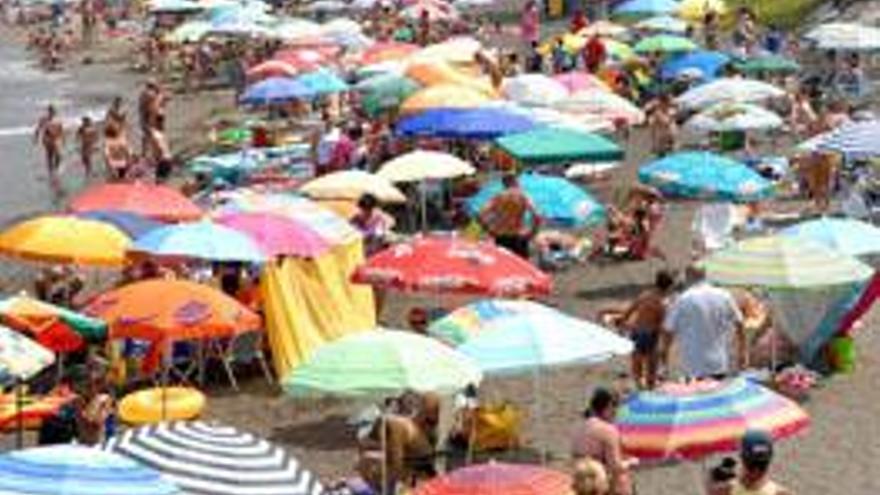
[{"x": 703, "y": 319}]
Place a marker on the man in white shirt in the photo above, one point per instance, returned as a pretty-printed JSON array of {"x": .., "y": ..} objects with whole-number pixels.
[{"x": 704, "y": 319}]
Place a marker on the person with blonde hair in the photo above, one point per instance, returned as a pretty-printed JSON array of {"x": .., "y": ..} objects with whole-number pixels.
[{"x": 589, "y": 478}]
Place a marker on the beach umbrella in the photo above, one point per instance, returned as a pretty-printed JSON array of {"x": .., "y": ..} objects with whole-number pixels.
[
  {"x": 239, "y": 28},
  {"x": 845, "y": 37},
  {"x": 276, "y": 90},
  {"x": 290, "y": 29},
  {"x": 382, "y": 363},
  {"x": 437, "y": 11},
  {"x": 843, "y": 235},
  {"x": 169, "y": 310},
  {"x": 696, "y": 10},
  {"x": 645, "y": 8},
  {"x": 483, "y": 123},
  {"x": 132, "y": 224},
  {"x": 497, "y": 478},
  {"x": 663, "y": 24},
  {"x": 703, "y": 418},
  {"x": 603, "y": 28},
  {"x": 584, "y": 123},
  {"x": 855, "y": 140},
  {"x": 445, "y": 96},
  {"x": 706, "y": 64},
  {"x": 277, "y": 235},
  {"x": 352, "y": 184},
  {"x": 603, "y": 104},
  {"x": 308, "y": 58},
  {"x": 733, "y": 90},
  {"x": 768, "y": 64},
  {"x": 20, "y": 357},
  {"x": 54, "y": 327},
  {"x": 188, "y": 32},
  {"x": 215, "y": 459},
  {"x": 781, "y": 262},
  {"x": 725, "y": 117},
  {"x": 322, "y": 82},
  {"x": 575, "y": 82},
  {"x": 558, "y": 201},
  {"x": 558, "y": 146},
  {"x": 534, "y": 89},
  {"x": 77, "y": 470},
  {"x": 385, "y": 92},
  {"x": 386, "y": 51},
  {"x": 174, "y": 7},
  {"x": 271, "y": 68},
  {"x": 452, "y": 265},
  {"x": 65, "y": 239},
  {"x": 618, "y": 51},
  {"x": 156, "y": 202},
  {"x": 665, "y": 43},
  {"x": 204, "y": 240},
  {"x": 439, "y": 72},
  {"x": 422, "y": 165},
  {"x": 458, "y": 50},
  {"x": 704, "y": 175}
]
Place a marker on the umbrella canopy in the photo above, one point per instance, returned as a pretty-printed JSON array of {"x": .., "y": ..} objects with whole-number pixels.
[
  {"x": 385, "y": 92},
  {"x": 604, "y": 105},
  {"x": 856, "y": 140},
  {"x": 382, "y": 363},
  {"x": 777, "y": 262},
  {"x": 215, "y": 459},
  {"x": 497, "y": 478},
  {"x": 445, "y": 96},
  {"x": 386, "y": 51},
  {"x": 132, "y": 224},
  {"x": 663, "y": 24},
  {"x": 190, "y": 31},
  {"x": 768, "y": 64},
  {"x": 322, "y": 82},
  {"x": 77, "y": 470},
  {"x": 459, "y": 50},
  {"x": 665, "y": 43},
  {"x": 845, "y": 36},
  {"x": 156, "y": 202},
  {"x": 65, "y": 239},
  {"x": 513, "y": 336},
  {"x": 158, "y": 310},
  {"x": 452, "y": 265},
  {"x": 272, "y": 69},
  {"x": 276, "y": 90},
  {"x": 696, "y": 10},
  {"x": 725, "y": 117},
  {"x": 558, "y": 146},
  {"x": 843, "y": 235},
  {"x": 603, "y": 28},
  {"x": 203, "y": 240},
  {"x": 534, "y": 89},
  {"x": 352, "y": 184},
  {"x": 580, "y": 81},
  {"x": 53, "y": 327},
  {"x": 174, "y": 7},
  {"x": 645, "y": 8},
  {"x": 482, "y": 123},
  {"x": 558, "y": 201},
  {"x": 424, "y": 165},
  {"x": 704, "y": 418},
  {"x": 703, "y": 175},
  {"x": 20, "y": 357},
  {"x": 706, "y": 64},
  {"x": 292, "y": 29},
  {"x": 436, "y": 73},
  {"x": 277, "y": 235},
  {"x": 728, "y": 90}
]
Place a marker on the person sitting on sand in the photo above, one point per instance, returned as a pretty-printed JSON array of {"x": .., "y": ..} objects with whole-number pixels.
[{"x": 597, "y": 438}]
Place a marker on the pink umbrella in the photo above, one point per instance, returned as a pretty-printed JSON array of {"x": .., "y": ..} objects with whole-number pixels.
[
  {"x": 277, "y": 235},
  {"x": 271, "y": 68},
  {"x": 579, "y": 81}
]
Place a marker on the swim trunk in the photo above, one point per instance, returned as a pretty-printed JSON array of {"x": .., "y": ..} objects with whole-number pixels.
[
  {"x": 645, "y": 341},
  {"x": 163, "y": 170}
]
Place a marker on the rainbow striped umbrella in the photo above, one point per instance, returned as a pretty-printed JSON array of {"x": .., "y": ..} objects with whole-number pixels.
[
  {"x": 704, "y": 418},
  {"x": 777, "y": 262}
]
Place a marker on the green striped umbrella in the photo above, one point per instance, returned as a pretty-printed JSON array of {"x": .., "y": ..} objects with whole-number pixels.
[{"x": 776, "y": 262}]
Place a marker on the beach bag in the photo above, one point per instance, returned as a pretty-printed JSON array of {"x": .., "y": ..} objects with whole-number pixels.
[{"x": 498, "y": 427}]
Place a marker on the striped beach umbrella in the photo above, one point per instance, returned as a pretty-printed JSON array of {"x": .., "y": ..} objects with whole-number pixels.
[
  {"x": 210, "y": 458},
  {"x": 497, "y": 478},
  {"x": 778, "y": 262},
  {"x": 703, "y": 418},
  {"x": 857, "y": 140},
  {"x": 77, "y": 470}
]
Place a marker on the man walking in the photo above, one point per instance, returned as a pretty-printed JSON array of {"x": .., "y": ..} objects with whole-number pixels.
[{"x": 511, "y": 218}]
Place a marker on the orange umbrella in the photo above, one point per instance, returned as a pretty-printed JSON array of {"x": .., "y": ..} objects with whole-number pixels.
[
  {"x": 386, "y": 52},
  {"x": 152, "y": 201},
  {"x": 445, "y": 96},
  {"x": 434, "y": 73}
]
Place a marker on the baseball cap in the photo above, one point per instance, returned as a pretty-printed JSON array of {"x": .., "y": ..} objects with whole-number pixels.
[{"x": 757, "y": 447}]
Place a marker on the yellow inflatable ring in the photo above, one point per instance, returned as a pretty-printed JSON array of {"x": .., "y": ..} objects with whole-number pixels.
[{"x": 146, "y": 406}]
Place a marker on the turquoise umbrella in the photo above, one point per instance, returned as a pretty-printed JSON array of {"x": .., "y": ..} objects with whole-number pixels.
[
  {"x": 703, "y": 175},
  {"x": 559, "y": 146},
  {"x": 769, "y": 64},
  {"x": 844, "y": 235},
  {"x": 203, "y": 240},
  {"x": 322, "y": 82},
  {"x": 557, "y": 200},
  {"x": 645, "y": 8}
]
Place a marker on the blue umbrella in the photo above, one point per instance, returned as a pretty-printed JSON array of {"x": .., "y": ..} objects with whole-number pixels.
[
  {"x": 131, "y": 223},
  {"x": 201, "y": 240},
  {"x": 705, "y": 63},
  {"x": 857, "y": 140},
  {"x": 275, "y": 90},
  {"x": 557, "y": 200},
  {"x": 645, "y": 8},
  {"x": 477, "y": 123},
  {"x": 322, "y": 82},
  {"x": 78, "y": 470},
  {"x": 844, "y": 235},
  {"x": 703, "y": 175}
]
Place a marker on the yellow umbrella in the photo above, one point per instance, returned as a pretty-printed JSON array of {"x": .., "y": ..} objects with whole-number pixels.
[
  {"x": 445, "y": 96},
  {"x": 696, "y": 10},
  {"x": 352, "y": 184},
  {"x": 65, "y": 239},
  {"x": 424, "y": 165},
  {"x": 436, "y": 73}
]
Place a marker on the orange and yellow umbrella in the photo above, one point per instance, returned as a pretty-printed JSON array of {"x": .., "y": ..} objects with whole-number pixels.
[
  {"x": 445, "y": 96},
  {"x": 65, "y": 239},
  {"x": 434, "y": 73}
]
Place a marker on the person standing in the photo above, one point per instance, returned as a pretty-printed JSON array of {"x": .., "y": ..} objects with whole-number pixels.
[
  {"x": 511, "y": 218},
  {"x": 704, "y": 319},
  {"x": 50, "y": 133},
  {"x": 530, "y": 23},
  {"x": 597, "y": 438},
  {"x": 87, "y": 137}
]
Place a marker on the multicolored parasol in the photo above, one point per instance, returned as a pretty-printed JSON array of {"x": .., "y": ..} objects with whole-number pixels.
[
  {"x": 53, "y": 327},
  {"x": 497, "y": 478},
  {"x": 20, "y": 357}
]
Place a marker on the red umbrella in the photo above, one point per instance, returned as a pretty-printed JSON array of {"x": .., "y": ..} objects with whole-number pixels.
[
  {"x": 499, "y": 479},
  {"x": 450, "y": 264},
  {"x": 148, "y": 200},
  {"x": 306, "y": 59}
]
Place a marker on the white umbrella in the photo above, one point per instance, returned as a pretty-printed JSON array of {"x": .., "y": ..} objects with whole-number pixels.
[
  {"x": 845, "y": 36},
  {"x": 292, "y": 29},
  {"x": 663, "y": 24},
  {"x": 351, "y": 184},
  {"x": 604, "y": 29},
  {"x": 604, "y": 104},
  {"x": 534, "y": 90},
  {"x": 734, "y": 117},
  {"x": 730, "y": 90},
  {"x": 424, "y": 165}
]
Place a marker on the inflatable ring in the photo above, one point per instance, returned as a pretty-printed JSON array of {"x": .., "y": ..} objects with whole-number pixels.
[{"x": 146, "y": 406}]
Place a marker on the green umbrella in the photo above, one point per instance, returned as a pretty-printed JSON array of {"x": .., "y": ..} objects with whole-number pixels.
[
  {"x": 382, "y": 363},
  {"x": 559, "y": 146},
  {"x": 664, "y": 43},
  {"x": 385, "y": 91},
  {"x": 768, "y": 64}
]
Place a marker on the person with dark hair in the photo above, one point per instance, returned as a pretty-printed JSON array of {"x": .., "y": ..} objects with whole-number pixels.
[
  {"x": 511, "y": 218},
  {"x": 373, "y": 223},
  {"x": 596, "y": 437},
  {"x": 756, "y": 455},
  {"x": 721, "y": 477}
]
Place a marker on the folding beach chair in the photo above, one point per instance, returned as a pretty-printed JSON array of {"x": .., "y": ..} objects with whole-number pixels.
[{"x": 244, "y": 348}]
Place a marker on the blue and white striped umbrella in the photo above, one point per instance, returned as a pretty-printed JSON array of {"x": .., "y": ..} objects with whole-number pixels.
[
  {"x": 857, "y": 140},
  {"x": 77, "y": 470}
]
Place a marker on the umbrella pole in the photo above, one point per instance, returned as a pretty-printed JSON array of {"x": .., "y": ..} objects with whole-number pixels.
[
  {"x": 424, "y": 194},
  {"x": 19, "y": 417},
  {"x": 165, "y": 371},
  {"x": 384, "y": 440},
  {"x": 539, "y": 414}
]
